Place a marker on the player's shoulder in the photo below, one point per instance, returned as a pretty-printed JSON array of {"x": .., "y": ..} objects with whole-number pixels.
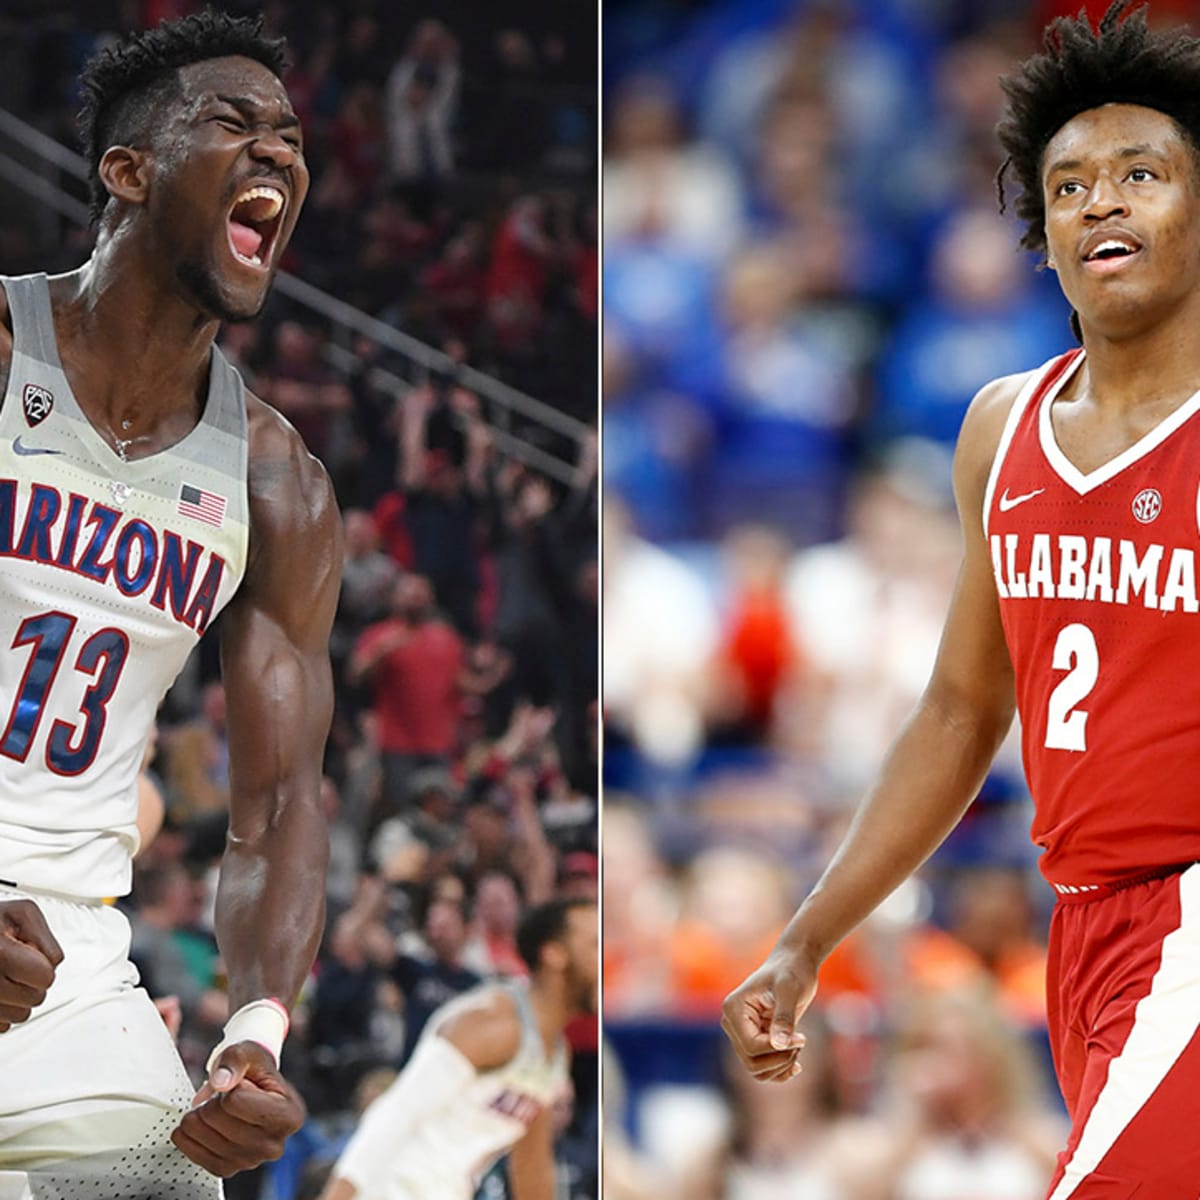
[
  {"x": 495, "y": 1002},
  {"x": 286, "y": 482},
  {"x": 983, "y": 426},
  {"x": 275, "y": 443},
  {"x": 991, "y": 405},
  {"x": 485, "y": 1025}
]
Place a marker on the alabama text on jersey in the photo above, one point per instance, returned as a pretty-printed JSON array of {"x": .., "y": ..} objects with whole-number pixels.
[{"x": 1097, "y": 581}]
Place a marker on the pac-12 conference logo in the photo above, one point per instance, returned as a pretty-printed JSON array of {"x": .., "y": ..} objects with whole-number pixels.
[
  {"x": 38, "y": 402},
  {"x": 1147, "y": 504}
]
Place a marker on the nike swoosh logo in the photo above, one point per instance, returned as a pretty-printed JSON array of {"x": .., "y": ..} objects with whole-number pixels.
[
  {"x": 1007, "y": 502},
  {"x": 20, "y": 449}
]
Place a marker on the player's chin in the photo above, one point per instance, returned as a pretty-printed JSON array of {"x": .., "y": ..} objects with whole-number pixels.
[
  {"x": 239, "y": 301},
  {"x": 222, "y": 292},
  {"x": 244, "y": 291}
]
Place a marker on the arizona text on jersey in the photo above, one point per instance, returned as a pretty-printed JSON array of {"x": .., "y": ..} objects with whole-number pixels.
[{"x": 109, "y": 572}]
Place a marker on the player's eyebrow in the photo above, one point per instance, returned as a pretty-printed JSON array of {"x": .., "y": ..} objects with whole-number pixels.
[
  {"x": 1139, "y": 151},
  {"x": 249, "y": 108}
]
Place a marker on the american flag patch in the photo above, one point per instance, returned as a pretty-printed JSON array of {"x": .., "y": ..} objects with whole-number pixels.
[{"x": 204, "y": 506}]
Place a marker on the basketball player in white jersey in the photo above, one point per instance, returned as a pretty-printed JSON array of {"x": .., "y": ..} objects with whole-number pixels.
[
  {"x": 483, "y": 1078},
  {"x": 142, "y": 492}
]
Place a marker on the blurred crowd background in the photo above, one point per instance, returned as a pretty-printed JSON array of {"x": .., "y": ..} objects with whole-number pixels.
[
  {"x": 807, "y": 276},
  {"x": 453, "y": 159}
]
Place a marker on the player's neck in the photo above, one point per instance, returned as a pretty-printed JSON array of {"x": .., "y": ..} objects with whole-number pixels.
[
  {"x": 137, "y": 363},
  {"x": 550, "y": 1009},
  {"x": 138, "y": 336},
  {"x": 1160, "y": 363}
]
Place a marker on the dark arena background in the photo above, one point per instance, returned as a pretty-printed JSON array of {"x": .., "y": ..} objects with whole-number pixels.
[
  {"x": 806, "y": 279},
  {"x": 433, "y": 336}
]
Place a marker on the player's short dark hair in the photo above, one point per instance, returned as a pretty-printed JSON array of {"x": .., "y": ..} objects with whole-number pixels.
[
  {"x": 1080, "y": 68},
  {"x": 545, "y": 923},
  {"x": 126, "y": 85}
]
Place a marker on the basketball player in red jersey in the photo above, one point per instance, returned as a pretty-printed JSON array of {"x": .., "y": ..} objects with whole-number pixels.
[
  {"x": 142, "y": 490},
  {"x": 1078, "y": 603}
]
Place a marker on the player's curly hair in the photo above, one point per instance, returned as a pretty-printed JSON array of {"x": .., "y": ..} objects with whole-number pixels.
[
  {"x": 1121, "y": 62},
  {"x": 125, "y": 86}
]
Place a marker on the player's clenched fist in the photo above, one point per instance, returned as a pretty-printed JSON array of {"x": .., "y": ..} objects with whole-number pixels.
[
  {"x": 760, "y": 1017},
  {"x": 29, "y": 954},
  {"x": 242, "y": 1115}
]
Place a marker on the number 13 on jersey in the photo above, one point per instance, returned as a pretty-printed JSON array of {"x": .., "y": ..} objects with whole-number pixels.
[
  {"x": 70, "y": 746},
  {"x": 1074, "y": 652}
]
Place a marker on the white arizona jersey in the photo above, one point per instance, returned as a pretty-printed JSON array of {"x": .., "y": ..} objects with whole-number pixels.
[
  {"x": 110, "y": 572},
  {"x": 445, "y": 1154}
]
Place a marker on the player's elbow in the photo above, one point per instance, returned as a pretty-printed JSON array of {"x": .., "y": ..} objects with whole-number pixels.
[{"x": 979, "y": 714}]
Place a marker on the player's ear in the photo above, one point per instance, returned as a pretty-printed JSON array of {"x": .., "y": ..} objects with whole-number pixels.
[{"x": 125, "y": 173}]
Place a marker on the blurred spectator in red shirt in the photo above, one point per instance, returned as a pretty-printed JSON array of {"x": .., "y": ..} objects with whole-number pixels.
[
  {"x": 522, "y": 253},
  {"x": 758, "y": 657},
  {"x": 359, "y": 137},
  {"x": 453, "y": 288},
  {"x": 579, "y": 875},
  {"x": 413, "y": 663}
]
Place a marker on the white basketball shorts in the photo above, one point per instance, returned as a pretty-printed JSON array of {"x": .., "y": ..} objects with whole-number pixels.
[{"x": 91, "y": 1085}]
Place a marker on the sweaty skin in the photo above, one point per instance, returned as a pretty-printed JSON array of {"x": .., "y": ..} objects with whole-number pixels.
[{"x": 162, "y": 277}]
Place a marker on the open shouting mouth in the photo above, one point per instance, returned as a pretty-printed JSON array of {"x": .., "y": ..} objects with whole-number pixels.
[{"x": 254, "y": 223}]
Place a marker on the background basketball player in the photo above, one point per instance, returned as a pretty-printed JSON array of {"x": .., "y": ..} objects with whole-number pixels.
[{"x": 485, "y": 1078}]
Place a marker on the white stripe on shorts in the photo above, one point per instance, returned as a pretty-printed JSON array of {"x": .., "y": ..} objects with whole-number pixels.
[{"x": 1164, "y": 1021}]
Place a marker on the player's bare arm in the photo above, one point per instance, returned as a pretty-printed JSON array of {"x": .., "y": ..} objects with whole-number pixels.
[
  {"x": 482, "y": 1036},
  {"x": 279, "y": 687},
  {"x": 531, "y": 1160},
  {"x": 931, "y": 774}
]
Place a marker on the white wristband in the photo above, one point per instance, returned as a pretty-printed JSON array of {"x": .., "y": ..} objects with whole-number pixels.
[{"x": 263, "y": 1021}]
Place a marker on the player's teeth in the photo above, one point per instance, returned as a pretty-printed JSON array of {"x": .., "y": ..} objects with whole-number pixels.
[{"x": 266, "y": 193}]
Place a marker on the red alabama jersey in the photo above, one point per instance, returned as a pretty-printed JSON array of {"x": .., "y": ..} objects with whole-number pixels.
[{"x": 1096, "y": 575}]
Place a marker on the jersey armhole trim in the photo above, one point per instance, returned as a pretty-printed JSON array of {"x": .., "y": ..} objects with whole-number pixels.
[{"x": 1032, "y": 388}]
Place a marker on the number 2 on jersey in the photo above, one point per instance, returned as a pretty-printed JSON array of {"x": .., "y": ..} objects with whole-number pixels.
[
  {"x": 1074, "y": 652},
  {"x": 70, "y": 749}
]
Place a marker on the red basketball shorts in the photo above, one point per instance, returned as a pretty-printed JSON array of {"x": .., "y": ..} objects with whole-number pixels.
[{"x": 1124, "y": 1009}]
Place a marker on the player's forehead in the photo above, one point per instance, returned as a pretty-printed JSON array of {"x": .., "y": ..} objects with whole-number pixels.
[
  {"x": 236, "y": 77},
  {"x": 1113, "y": 131}
]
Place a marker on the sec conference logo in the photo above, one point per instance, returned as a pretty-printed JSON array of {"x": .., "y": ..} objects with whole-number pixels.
[{"x": 1147, "y": 504}]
